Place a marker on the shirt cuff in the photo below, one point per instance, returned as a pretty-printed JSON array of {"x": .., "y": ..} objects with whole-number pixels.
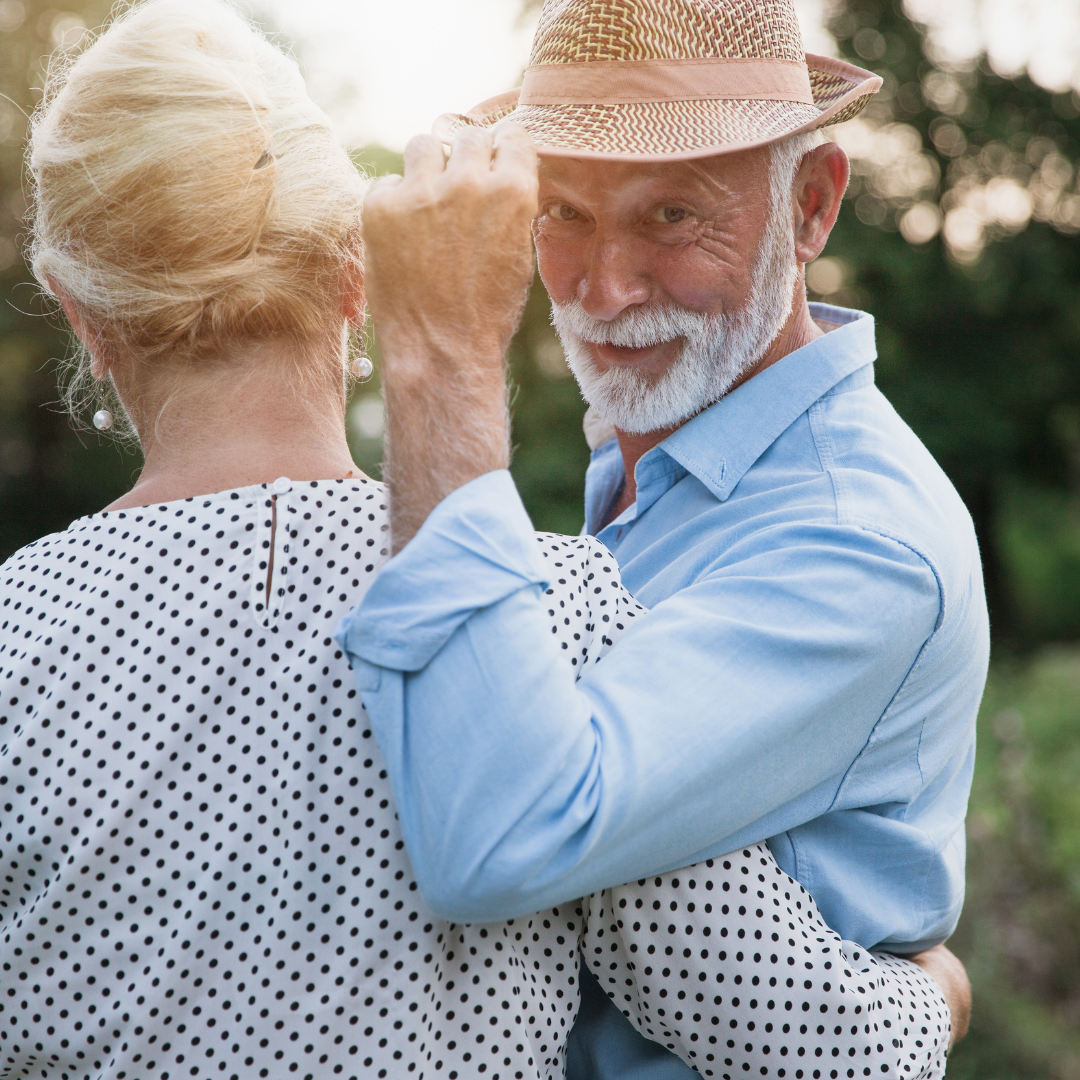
[{"x": 477, "y": 547}]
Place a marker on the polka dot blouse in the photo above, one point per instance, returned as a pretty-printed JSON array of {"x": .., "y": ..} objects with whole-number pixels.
[
  {"x": 202, "y": 874},
  {"x": 729, "y": 964}
]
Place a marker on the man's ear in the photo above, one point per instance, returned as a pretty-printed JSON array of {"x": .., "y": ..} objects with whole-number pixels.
[
  {"x": 352, "y": 296},
  {"x": 819, "y": 189},
  {"x": 99, "y": 347}
]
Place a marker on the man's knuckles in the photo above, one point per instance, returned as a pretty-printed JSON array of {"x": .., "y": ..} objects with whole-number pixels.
[
  {"x": 423, "y": 155},
  {"x": 470, "y": 143},
  {"x": 518, "y": 190},
  {"x": 480, "y": 193},
  {"x": 405, "y": 206}
]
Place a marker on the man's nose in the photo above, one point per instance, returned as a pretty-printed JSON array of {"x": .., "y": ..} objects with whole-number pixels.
[{"x": 615, "y": 278}]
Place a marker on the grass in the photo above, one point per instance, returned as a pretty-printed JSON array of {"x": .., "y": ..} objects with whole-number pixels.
[{"x": 1020, "y": 933}]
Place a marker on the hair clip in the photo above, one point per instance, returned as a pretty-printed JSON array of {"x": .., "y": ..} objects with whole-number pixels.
[{"x": 264, "y": 160}]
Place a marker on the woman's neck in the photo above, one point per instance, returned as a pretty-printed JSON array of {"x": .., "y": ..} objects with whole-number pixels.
[{"x": 212, "y": 433}]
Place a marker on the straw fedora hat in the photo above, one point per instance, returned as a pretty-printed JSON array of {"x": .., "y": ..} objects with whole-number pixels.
[{"x": 663, "y": 80}]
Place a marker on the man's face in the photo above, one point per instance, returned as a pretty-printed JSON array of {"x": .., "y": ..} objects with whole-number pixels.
[
  {"x": 617, "y": 235},
  {"x": 668, "y": 282}
]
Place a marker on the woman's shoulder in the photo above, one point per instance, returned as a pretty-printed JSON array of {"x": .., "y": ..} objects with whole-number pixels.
[
  {"x": 330, "y": 497},
  {"x": 583, "y": 566},
  {"x": 45, "y": 549},
  {"x": 319, "y": 498},
  {"x": 240, "y": 547},
  {"x": 261, "y": 574}
]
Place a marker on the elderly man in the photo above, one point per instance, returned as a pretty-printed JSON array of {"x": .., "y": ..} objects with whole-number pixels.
[{"x": 813, "y": 660}]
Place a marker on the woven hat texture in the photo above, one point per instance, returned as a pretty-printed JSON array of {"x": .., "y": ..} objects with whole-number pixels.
[
  {"x": 667, "y": 79},
  {"x": 576, "y": 31}
]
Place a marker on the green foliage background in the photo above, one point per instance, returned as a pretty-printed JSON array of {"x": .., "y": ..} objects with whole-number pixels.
[{"x": 981, "y": 356}]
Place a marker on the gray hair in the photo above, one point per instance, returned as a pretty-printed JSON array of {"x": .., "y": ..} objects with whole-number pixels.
[
  {"x": 189, "y": 196},
  {"x": 787, "y": 156},
  {"x": 717, "y": 348}
]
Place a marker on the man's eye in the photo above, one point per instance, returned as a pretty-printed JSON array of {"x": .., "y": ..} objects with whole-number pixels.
[
  {"x": 562, "y": 212},
  {"x": 669, "y": 215}
]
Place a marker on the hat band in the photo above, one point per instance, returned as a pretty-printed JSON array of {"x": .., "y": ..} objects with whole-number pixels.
[{"x": 628, "y": 82}]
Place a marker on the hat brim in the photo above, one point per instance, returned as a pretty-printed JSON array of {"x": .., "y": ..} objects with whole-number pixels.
[{"x": 676, "y": 130}]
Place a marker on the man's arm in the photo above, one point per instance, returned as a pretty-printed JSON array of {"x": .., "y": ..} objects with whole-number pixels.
[
  {"x": 449, "y": 261},
  {"x": 729, "y": 713}
]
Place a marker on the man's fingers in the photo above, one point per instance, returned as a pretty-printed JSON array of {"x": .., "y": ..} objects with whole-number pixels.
[
  {"x": 424, "y": 157},
  {"x": 384, "y": 183},
  {"x": 945, "y": 968},
  {"x": 376, "y": 198},
  {"x": 470, "y": 151},
  {"x": 514, "y": 148},
  {"x": 517, "y": 163}
]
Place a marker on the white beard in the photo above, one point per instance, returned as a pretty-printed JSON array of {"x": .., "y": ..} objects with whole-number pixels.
[{"x": 716, "y": 350}]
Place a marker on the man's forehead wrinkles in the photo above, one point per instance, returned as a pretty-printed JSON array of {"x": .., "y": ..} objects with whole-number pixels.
[
  {"x": 714, "y": 165},
  {"x": 622, "y": 181}
]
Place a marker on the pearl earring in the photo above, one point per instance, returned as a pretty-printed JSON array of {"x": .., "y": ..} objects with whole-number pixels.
[
  {"x": 103, "y": 419},
  {"x": 362, "y": 367}
]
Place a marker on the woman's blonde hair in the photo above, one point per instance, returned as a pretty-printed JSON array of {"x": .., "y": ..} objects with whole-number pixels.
[{"x": 188, "y": 194}]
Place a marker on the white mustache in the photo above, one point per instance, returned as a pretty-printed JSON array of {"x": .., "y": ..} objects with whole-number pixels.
[{"x": 635, "y": 328}]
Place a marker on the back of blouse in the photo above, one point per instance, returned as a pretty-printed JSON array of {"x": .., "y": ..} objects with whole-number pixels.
[{"x": 201, "y": 870}]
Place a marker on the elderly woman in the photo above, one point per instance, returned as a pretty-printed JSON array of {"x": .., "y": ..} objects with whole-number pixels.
[{"x": 202, "y": 869}]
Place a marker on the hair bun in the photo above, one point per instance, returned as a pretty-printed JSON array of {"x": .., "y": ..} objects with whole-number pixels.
[{"x": 188, "y": 193}]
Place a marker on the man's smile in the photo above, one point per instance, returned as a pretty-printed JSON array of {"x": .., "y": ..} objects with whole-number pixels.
[{"x": 625, "y": 355}]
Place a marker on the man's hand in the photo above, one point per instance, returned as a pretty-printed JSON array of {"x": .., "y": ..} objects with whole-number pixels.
[
  {"x": 947, "y": 971},
  {"x": 448, "y": 265}
]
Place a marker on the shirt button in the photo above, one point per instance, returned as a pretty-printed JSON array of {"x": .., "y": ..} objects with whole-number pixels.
[{"x": 281, "y": 485}]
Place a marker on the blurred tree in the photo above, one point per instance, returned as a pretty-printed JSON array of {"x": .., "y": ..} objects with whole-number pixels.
[
  {"x": 967, "y": 182},
  {"x": 49, "y": 475},
  {"x": 1020, "y": 933},
  {"x": 550, "y": 454}
]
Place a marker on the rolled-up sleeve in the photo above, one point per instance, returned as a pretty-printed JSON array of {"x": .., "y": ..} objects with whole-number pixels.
[{"x": 727, "y": 714}]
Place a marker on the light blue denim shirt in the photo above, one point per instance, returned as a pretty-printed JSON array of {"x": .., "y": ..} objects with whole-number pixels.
[{"x": 809, "y": 672}]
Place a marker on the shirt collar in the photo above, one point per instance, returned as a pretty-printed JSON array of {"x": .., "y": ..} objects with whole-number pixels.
[{"x": 720, "y": 445}]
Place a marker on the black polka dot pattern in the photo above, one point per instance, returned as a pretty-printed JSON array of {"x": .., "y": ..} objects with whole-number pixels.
[
  {"x": 488, "y": 978},
  {"x": 729, "y": 964},
  {"x": 588, "y": 607},
  {"x": 201, "y": 870}
]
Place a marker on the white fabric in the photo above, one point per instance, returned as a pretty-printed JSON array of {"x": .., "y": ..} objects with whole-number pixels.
[
  {"x": 729, "y": 964},
  {"x": 201, "y": 870}
]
